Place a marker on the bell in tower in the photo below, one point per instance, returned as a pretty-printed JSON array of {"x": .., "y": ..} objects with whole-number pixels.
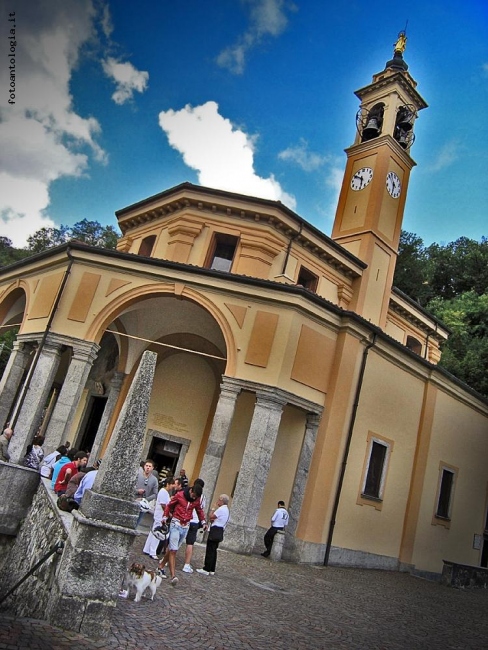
[
  {"x": 403, "y": 132},
  {"x": 370, "y": 122}
]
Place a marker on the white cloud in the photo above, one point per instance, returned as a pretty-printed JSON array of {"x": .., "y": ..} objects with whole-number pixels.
[
  {"x": 42, "y": 137},
  {"x": 127, "y": 79},
  {"x": 301, "y": 155},
  {"x": 222, "y": 154},
  {"x": 448, "y": 154},
  {"x": 106, "y": 21},
  {"x": 334, "y": 180},
  {"x": 267, "y": 18}
]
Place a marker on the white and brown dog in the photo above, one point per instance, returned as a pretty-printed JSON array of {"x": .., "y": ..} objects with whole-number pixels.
[{"x": 138, "y": 577}]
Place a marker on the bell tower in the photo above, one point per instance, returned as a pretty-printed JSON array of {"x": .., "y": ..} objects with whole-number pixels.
[{"x": 372, "y": 199}]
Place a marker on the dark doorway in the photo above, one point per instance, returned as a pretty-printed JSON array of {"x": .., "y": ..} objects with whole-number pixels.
[
  {"x": 95, "y": 412},
  {"x": 484, "y": 552},
  {"x": 165, "y": 454}
]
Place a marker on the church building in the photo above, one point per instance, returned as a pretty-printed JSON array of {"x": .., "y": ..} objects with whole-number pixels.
[{"x": 289, "y": 367}]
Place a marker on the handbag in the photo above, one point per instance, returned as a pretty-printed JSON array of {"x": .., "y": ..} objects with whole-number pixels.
[{"x": 216, "y": 534}]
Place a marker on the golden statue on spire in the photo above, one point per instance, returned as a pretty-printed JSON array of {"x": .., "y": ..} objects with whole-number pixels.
[{"x": 401, "y": 42}]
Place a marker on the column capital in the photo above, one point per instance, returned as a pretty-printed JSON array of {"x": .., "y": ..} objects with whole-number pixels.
[
  {"x": 85, "y": 350},
  {"x": 231, "y": 385},
  {"x": 313, "y": 419},
  {"x": 270, "y": 399}
]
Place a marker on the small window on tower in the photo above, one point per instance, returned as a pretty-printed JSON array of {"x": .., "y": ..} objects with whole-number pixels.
[
  {"x": 147, "y": 245},
  {"x": 221, "y": 253},
  {"x": 307, "y": 279}
]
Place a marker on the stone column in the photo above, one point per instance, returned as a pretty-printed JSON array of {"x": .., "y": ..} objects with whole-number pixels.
[
  {"x": 84, "y": 354},
  {"x": 103, "y": 529},
  {"x": 35, "y": 400},
  {"x": 12, "y": 376},
  {"x": 290, "y": 551},
  {"x": 217, "y": 440},
  {"x": 113, "y": 396},
  {"x": 240, "y": 534}
]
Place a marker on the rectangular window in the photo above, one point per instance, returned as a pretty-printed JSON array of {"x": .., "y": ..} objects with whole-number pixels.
[
  {"x": 375, "y": 472},
  {"x": 222, "y": 252},
  {"x": 445, "y": 494},
  {"x": 307, "y": 279}
]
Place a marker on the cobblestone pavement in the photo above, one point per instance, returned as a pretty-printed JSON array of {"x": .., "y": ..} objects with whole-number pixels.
[{"x": 254, "y": 604}]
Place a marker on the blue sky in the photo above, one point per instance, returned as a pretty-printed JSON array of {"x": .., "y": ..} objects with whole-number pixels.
[{"x": 119, "y": 100}]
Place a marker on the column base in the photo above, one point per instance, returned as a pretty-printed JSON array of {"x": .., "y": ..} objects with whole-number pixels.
[{"x": 238, "y": 538}]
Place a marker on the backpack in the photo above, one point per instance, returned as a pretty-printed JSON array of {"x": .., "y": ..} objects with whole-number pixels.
[{"x": 67, "y": 504}]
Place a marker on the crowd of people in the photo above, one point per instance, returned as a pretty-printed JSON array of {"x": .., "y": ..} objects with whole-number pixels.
[
  {"x": 177, "y": 508},
  {"x": 178, "y": 515}
]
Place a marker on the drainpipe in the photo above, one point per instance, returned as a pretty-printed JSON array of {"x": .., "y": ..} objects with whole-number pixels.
[
  {"x": 290, "y": 242},
  {"x": 427, "y": 342},
  {"x": 28, "y": 379},
  {"x": 346, "y": 450}
]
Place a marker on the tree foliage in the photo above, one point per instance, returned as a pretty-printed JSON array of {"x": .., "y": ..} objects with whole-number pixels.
[
  {"x": 9, "y": 254},
  {"x": 87, "y": 232},
  {"x": 451, "y": 281}
]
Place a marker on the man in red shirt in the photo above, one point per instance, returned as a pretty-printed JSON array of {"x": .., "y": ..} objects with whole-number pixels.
[
  {"x": 69, "y": 470},
  {"x": 180, "y": 509}
]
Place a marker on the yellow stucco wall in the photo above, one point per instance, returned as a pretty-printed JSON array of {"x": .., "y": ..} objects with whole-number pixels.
[
  {"x": 460, "y": 439},
  {"x": 389, "y": 407},
  {"x": 180, "y": 401}
]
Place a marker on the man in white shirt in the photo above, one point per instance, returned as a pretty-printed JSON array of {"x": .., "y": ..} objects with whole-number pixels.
[
  {"x": 219, "y": 516},
  {"x": 278, "y": 522},
  {"x": 163, "y": 498}
]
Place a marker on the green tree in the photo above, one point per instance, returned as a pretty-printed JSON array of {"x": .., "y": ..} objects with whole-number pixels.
[
  {"x": 412, "y": 271},
  {"x": 465, "y": 354},
  {"x": 46, "y": 238},
  {"x": 9, "y": 254},
  {"x": 87, "y": 232},
  {"x": 92, "y": 233},
  {"x": 458, "y": 267},
  {"x": 7, "y": 338}
]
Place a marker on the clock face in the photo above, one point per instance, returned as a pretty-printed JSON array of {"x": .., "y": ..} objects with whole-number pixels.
[
  {"x": 393, "y": 185},
  {"x": 361, "y": 178}
]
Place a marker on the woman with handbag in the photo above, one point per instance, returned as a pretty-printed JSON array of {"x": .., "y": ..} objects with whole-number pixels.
[{"x": 219, "y": 516}]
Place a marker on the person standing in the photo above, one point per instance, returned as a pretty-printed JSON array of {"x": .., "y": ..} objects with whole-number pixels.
[
  {"x": 180, "y": 509},
  {"x": 4, "y": 443},
  {"x": 184, "y": 478},
  {"x": 219, "y": 516},
  {"x": 195, "y": 525},
  {"x": 147, "y": 485},
  {"x": 278, "y": 522},
  {"x": 162, "y": 500}
]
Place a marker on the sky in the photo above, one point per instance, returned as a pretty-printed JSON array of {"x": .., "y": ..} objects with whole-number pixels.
[{"x": 105, "y": 103}]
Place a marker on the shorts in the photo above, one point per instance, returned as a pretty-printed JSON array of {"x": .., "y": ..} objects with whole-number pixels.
[
  {"x": 192, "y": 534},
  {"x": 177, "y": 535}
]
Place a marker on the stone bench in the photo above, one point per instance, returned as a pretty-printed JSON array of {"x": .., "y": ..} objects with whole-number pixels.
[{"x": 461, "y": 576}]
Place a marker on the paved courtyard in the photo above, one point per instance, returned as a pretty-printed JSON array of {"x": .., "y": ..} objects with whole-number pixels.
[{"x": 254, "y": 604}]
